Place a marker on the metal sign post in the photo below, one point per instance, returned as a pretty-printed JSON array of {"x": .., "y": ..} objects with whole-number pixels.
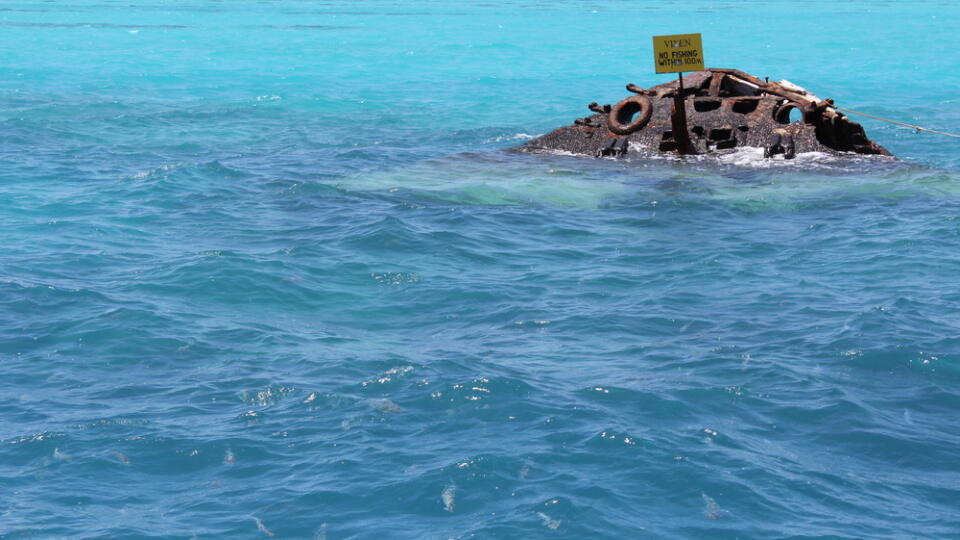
[
  {"x": 674, "y": 54},
  {"x": 678, "y": 121}
]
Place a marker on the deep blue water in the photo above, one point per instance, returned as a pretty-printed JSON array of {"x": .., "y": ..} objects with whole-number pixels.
[{"x": 267, "y": 271}]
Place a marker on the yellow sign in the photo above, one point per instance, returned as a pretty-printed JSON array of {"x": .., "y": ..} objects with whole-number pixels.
[{"x": 682, "y": 52}]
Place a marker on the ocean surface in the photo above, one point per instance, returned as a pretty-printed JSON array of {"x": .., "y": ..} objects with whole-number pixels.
[{"x": 267, "y": 271}]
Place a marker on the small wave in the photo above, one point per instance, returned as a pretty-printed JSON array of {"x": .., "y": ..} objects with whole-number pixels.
[
  {"x": 747, "y": 157},
  {"x": 750, "y": 156},
  {"x": 555, "y": 152},
  {"x": 262, "y": 527},
  {"x": 199, "y": 169},
  {"x": 711, "y": 509},
  {"x": 552, "y": 524},
  {"x": 449, "y": 498},
  {"x": 161, "y": 169},
  {"x": 514, "y": 137},
  {"x": 304, "y": 27},
  {"x": 29, "y": 24}
]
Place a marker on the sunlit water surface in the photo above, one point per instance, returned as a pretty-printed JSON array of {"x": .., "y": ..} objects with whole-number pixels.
[{"x": 267, "y": 271}]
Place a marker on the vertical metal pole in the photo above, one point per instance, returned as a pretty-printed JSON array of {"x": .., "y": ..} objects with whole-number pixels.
[{"x": 678, "y": 121}]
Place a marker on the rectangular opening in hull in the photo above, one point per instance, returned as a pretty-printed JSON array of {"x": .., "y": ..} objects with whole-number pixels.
[
  {"x": 745, "y": 106},
  {"x": 668, "y": 146},
  {"x": 720, "y": 134},
  {"x": 706, "y": 105}
]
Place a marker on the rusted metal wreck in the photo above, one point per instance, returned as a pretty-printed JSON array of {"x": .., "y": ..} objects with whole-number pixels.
[{"x": 724, "y": 109}]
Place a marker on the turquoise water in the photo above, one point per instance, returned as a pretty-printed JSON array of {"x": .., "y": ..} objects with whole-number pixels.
[{"x": 266, "y": 271}]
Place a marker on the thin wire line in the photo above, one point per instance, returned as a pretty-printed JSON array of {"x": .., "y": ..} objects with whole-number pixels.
[{"x": 918, "y": 128}]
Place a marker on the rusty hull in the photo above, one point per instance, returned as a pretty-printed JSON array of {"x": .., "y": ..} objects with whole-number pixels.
[{"x": 725, "y": 109}]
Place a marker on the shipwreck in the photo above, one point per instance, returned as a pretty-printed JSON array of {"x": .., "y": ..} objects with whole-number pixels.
[{"x": 712, "y": 111}]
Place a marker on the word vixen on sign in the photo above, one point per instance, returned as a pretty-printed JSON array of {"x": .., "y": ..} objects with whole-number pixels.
[{"x": 682, "y": 52}]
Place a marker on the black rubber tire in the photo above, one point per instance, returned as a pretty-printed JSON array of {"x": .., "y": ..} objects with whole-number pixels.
[{"x": 625, "y": 109}]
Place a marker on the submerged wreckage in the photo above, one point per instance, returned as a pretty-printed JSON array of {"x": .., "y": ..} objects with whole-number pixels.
[{"x": 725, "y": 109}]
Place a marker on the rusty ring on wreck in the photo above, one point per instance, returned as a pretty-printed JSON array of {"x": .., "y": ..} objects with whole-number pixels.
[
  {"x": 781, "y": 114},
  {"x": 618, "y": 119}
]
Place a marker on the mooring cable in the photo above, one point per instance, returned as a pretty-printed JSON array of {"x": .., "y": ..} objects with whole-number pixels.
[{"x": 918, "y": 128}]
